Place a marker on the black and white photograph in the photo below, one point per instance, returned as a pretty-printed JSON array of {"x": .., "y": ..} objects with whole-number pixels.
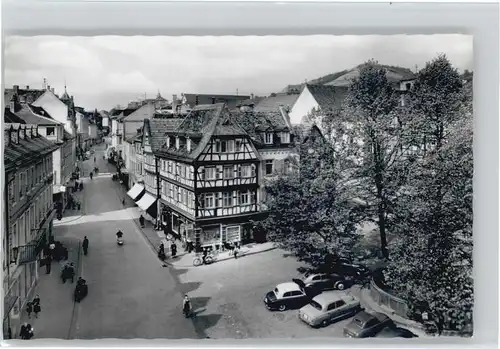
[{"x": 238, "y": 187}]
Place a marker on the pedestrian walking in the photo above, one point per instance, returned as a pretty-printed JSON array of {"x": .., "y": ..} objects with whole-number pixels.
[
  {"x": 94, "y": 159},
  {"x": 36, "y": 308},
  {"x": 123, "y": 201},
  {"x": 91, "y": 175},
  {"x": 29, "y": 309},
  {"x": 161, "y": 252},
  {"x": 186, "y": 306},
  {"x": 48, "y": 263},
  {"x": 236, "y": 250},
  {"x": 85, "y": 245},
  {"x": 26, "y": 331},
  {"x": 173, "y": 249},
  {"x": 36, "y": 300},
  {"x": 141, "y": 220}
]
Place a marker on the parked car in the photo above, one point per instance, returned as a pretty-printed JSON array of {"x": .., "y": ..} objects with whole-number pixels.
[
  {"x": 366, "y": 324},
  {"x": 343, "y": 267},
  {"x": 323, "y": 282},
  {"x": 395, "y": 332},
  {"x": 328, "y": 307},
  {"x": 288, "y": 295}
]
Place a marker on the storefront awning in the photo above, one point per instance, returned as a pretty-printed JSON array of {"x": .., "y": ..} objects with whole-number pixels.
[
  {"x": 146, "y": 201},
  {"x": 136, "y": 190}
]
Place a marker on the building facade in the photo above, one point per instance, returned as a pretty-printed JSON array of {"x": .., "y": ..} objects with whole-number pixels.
[{"x": 28, "y": 214}]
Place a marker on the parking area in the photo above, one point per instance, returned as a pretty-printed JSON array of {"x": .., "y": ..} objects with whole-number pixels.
[{"x": 228, "y": 298}]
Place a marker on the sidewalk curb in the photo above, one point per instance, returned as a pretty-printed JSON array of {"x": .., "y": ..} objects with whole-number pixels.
[
  {"x": 173, "y": 264},
  {"x": 227, "y": 258}
]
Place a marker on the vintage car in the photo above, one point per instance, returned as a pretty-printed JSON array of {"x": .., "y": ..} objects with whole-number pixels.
[
  {"x": 323, "y": 282},
  {"x": 395, "y": 332},
  {"x": 366, "y": 324},
  {"x": 288, "y": 295},
  {"x": 328, "y": 307}
]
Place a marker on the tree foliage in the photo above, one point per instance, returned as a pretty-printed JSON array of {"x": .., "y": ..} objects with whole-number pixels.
[
  {"x": 431, "y": 260},
  {"x": 369, "y": 123},
  {"x": 310, "y": 213}
]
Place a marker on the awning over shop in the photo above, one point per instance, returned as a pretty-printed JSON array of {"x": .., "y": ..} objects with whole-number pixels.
[
  {"x": 146, "y": 201},
  {"x": 136, "y": 190}
]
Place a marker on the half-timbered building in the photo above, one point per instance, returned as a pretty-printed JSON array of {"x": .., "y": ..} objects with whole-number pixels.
[{"x": 208, "y": 171}]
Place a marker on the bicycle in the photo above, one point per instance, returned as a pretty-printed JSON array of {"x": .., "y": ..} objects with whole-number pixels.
[{"x": 209, "y": 259}]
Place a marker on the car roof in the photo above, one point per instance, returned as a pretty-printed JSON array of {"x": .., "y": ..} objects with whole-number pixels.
[
  {"x": 364, "y": 316},
  {"x": 287, "y": 287},
  {"x": 332, "y": 296},
  {"x": 310, "y": 277}
]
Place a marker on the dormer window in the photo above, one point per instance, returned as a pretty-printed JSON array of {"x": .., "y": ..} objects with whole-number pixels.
[
  {"x": 268, "y": 138},
  {"x": 51, "y": 131},
  {"x": 285, "y": 137}
]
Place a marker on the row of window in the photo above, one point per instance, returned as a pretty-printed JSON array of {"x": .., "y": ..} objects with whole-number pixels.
[
  {"x": 284, "y": 137},
  {"x": 178, "y": 194},
  {"x": 227, "y": 199},
  {"x": 181, "y": 170},
  {"x": 228, "y": 172},
  {"x": 25, "y": 228},
  {"x": 27, "y": 179}
]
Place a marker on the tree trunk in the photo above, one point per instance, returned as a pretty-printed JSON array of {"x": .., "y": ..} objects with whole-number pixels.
[{"x": 381, "y": 209}]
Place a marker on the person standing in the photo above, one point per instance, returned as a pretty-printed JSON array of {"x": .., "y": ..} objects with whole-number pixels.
[
  {"x": 173, "y": 249},
  {"x": 26, "y": 331},
  {"x": 85, "y": 245},
  {"x": 48, "y": 263},
  {"x": 236, "y": 250},
  {"x": 186, "y": 306},
  {"x": 36, "y": 308},
  {"x": 141, "y": 221},
  {"x": 29, "y": 309}
]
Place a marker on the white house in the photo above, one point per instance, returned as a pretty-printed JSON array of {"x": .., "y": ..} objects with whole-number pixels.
[
  {"x": 62, "y": 111},
  {"x": 52, "y": 130},
  {"x": 314, "y": 99}
]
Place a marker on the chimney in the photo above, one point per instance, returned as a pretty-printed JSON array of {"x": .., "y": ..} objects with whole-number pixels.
[
  {"x": 174, "y": 104},
  {"x": 16, "y": 89},
  {"x": 188, "y": 144},
  {"x": 14, "y": 136},
  {"x": 27, "y": 87},
  {"x": 177, "y": 142}
]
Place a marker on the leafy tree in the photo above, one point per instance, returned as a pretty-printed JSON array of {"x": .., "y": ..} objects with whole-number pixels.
[
  {"x": 370, "y": 127},
  {"x": 431, "y": 260},
  {"x": 310, "y": 210}
]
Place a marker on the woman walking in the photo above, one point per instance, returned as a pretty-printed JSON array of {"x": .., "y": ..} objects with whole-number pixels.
[{"x": 29, "y": 309}]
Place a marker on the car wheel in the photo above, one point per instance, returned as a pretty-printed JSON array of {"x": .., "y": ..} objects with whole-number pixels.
[
  {"x": 324, "y": 323},
  {"x": 282, "y": 307},
  {"x": 340, "y": 286}
]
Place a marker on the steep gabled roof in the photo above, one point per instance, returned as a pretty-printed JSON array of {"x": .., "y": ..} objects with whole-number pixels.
[
  {"x": 272, "y": 104},
  {"x": 34, "y": 115},
  {"x": 328, "y": 97},
  {"x": 11, "y": 118},
  {"x": 124, "y": 113},
  {"x": 27, "y": 150}
]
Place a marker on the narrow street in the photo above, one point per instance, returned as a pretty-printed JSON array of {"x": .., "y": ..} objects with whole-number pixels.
[{"x": 130, "y": 294}]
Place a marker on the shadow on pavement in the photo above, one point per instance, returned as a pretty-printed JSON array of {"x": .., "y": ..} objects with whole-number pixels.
[
  {"x": 199, "y": 302},
  {"x": 204, "y": 322}
]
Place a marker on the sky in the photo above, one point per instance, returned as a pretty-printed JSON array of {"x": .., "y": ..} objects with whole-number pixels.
[{"x": 104, "y": 71}]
